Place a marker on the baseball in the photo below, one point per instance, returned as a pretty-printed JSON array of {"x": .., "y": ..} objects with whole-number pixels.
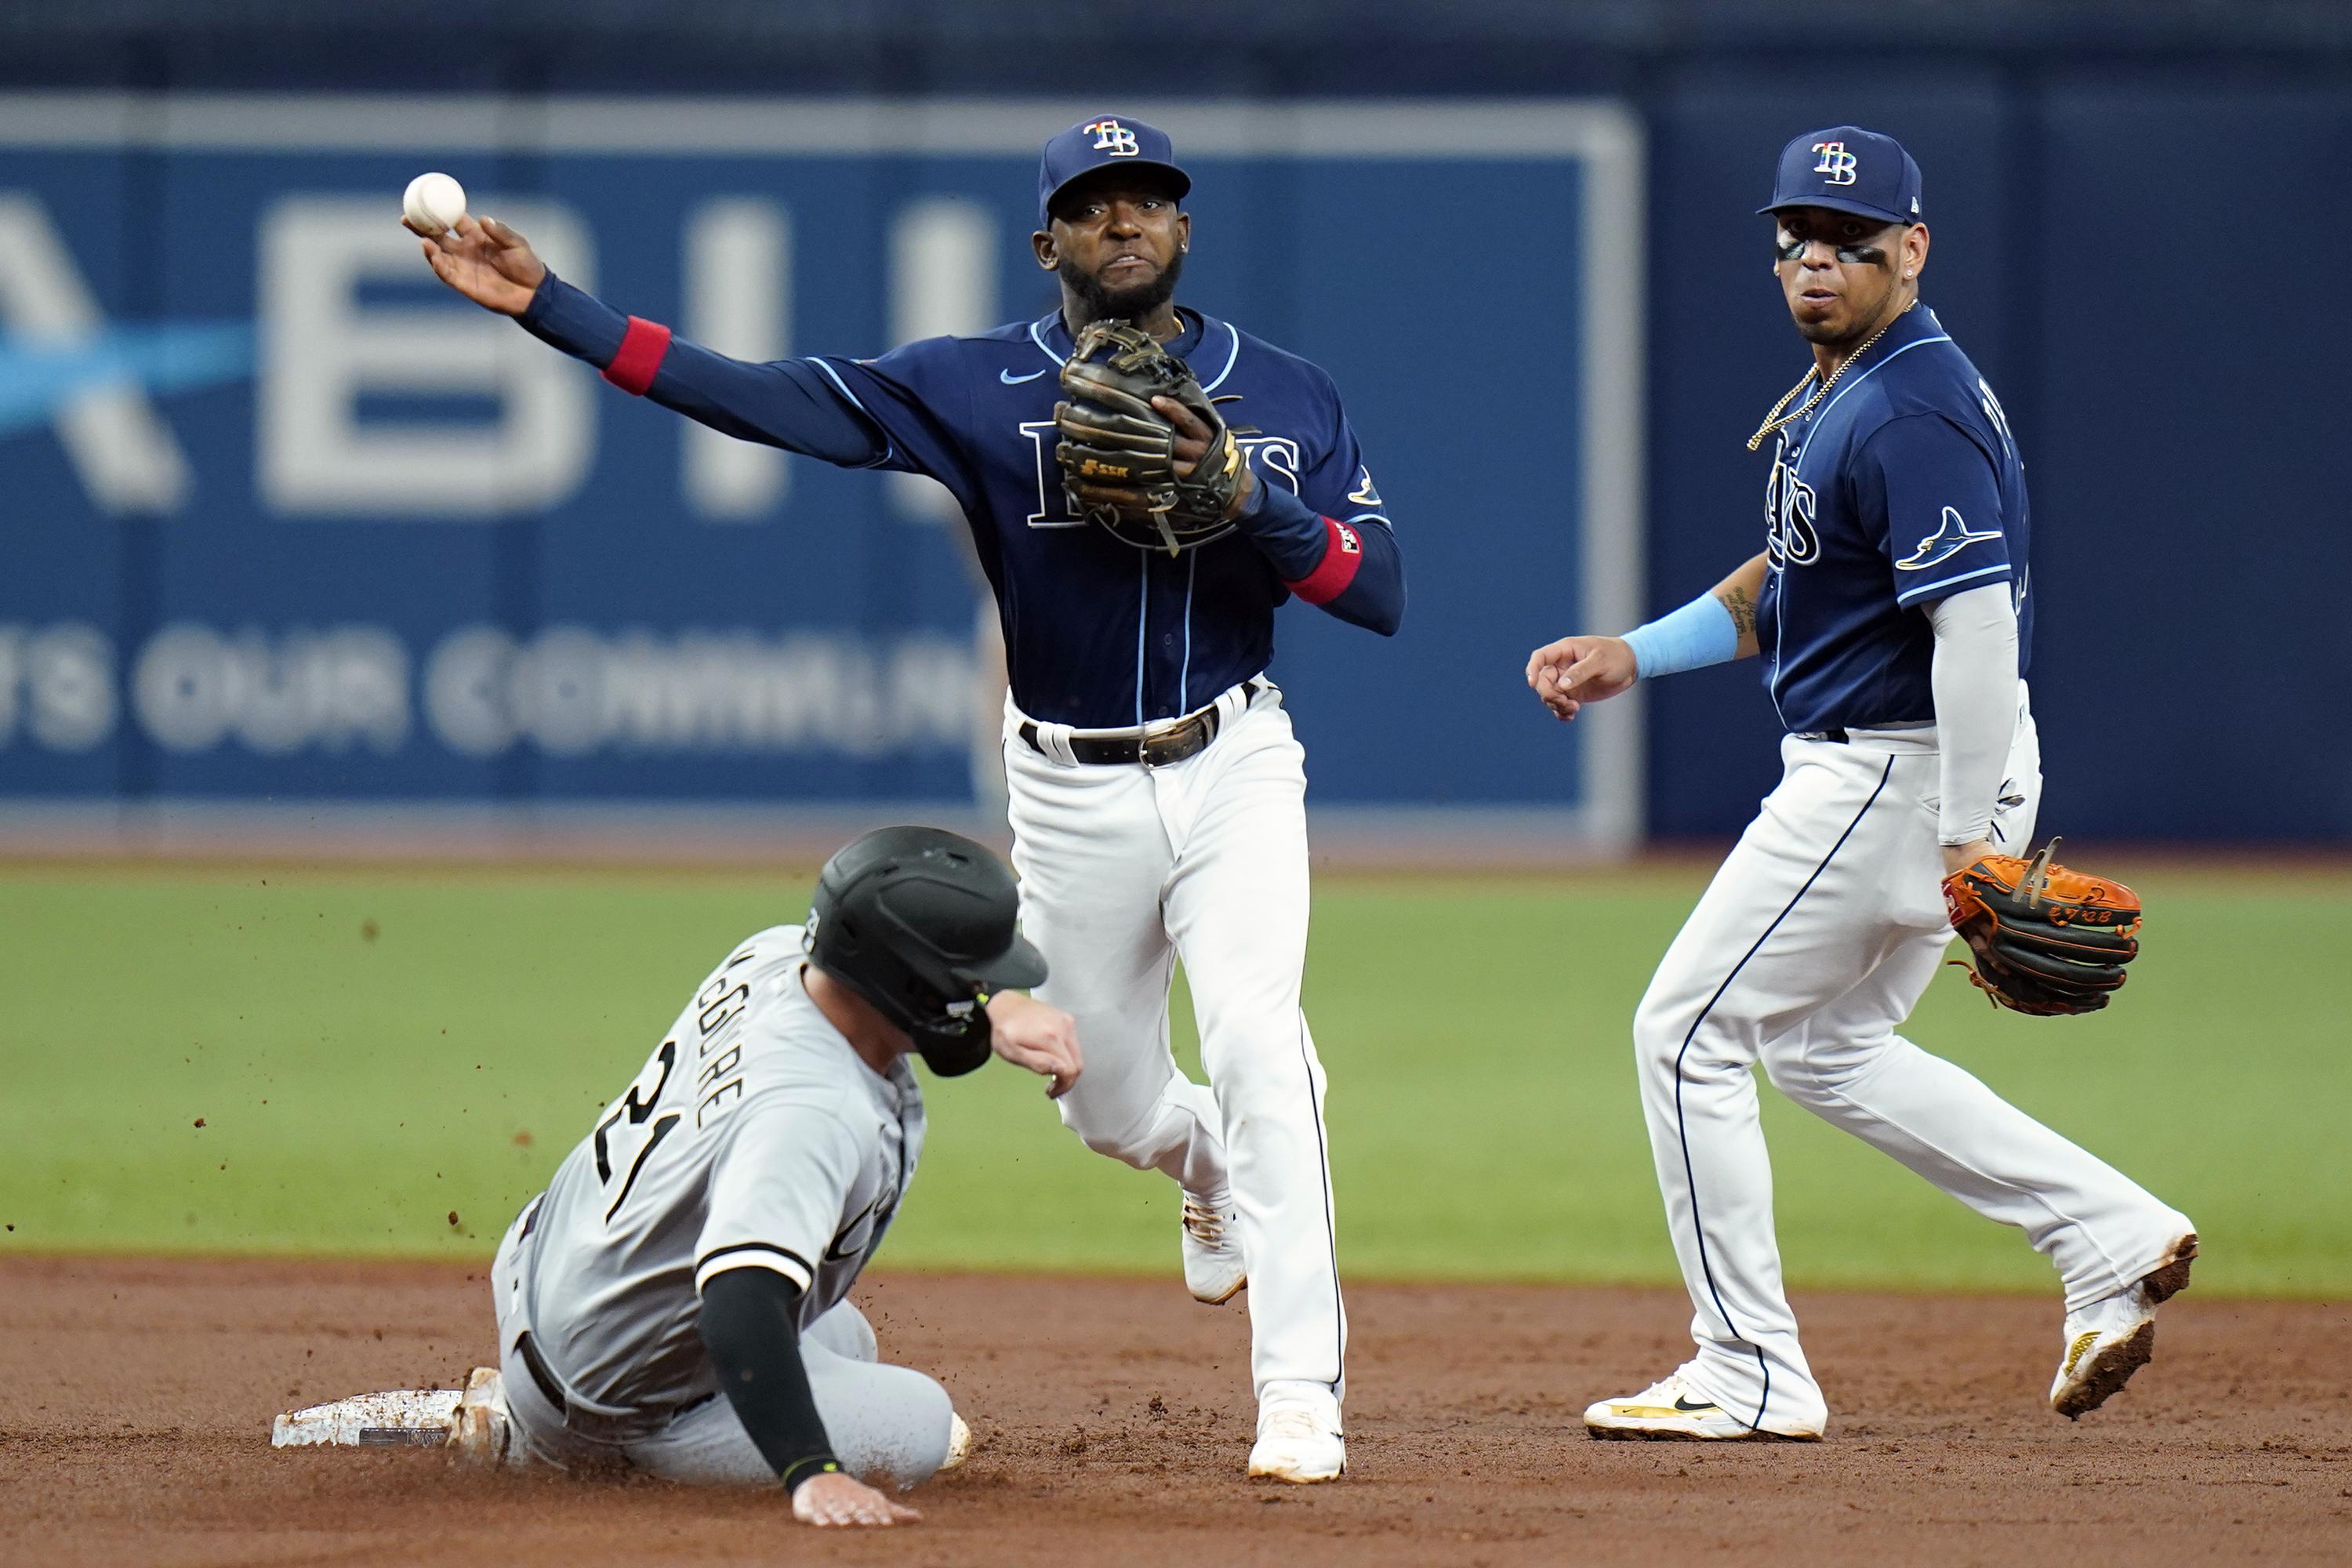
[{"x": 433, "y": 202}]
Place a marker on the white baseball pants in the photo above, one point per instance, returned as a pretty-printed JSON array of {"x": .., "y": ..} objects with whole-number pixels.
[
  {"x": 1813, "y": 942},
  {"x": 1123, "y": 870},
  {"x": 890, "y": 1425}
]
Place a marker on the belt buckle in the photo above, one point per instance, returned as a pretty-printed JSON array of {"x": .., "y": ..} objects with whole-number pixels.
[{"x": 1166, "y": 745}]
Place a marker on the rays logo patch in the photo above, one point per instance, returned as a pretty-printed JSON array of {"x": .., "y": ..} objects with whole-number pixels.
[
  {"x": 1951, "y": 536},
  {"x": 1365, "y": 493},
  {"x": 1113, "y": 138},
  {"x": 1836, "y": 162}
]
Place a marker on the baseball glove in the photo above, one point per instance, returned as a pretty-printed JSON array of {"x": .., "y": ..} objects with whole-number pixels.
[
  {"x": 1117, "y": 453},
  {"x": 2046, "y": 940}
]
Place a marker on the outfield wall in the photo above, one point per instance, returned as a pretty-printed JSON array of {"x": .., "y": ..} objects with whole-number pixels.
[
  {"x": 2098, "y": 177},
  {"x": 297, "y": 524}
]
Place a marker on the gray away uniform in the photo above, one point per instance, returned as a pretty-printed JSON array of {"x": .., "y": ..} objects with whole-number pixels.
[{"x": 755, "y": 1138}]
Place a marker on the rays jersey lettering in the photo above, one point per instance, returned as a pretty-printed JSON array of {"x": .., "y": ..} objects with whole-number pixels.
[
  {"x": 1097, "y": 632},
  {"x": 754, "y": 1137},
  {"x": 1276, "y": 458},
  {"x": 1788, "y": 507},
  {"x": 1903, "y": 488}
]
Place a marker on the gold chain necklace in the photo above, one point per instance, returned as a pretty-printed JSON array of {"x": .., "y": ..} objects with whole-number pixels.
[{"x": 1775, "y": 420}]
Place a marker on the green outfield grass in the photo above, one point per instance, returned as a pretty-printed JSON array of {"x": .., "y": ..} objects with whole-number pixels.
[{"x": 369, "y": 1053}]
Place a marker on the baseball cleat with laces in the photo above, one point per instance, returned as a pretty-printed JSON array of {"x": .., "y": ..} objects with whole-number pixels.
[
  {"x": 1298, "y": 1439},
  {"x": 2113, "y": 1337},
  {"x": 1213, "y": 1269},
  {"x": 1671, "y": 1408}
]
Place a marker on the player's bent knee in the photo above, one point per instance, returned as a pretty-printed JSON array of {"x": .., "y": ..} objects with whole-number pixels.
[
  {"x": 1112, "y": 1126},
  {"x": 844, "y": 1331},
  {"x": 1124, "y": 1144},
  {"x": 898, "y": 1435},
  {"x": 1681, "y": 1038},
  {"x": 1813, "y": 1070},
  {"x": 1116, "y": 1145},
  {"x": 1787, "y": 1071},
  {"x": 1660, "y": 1028}
]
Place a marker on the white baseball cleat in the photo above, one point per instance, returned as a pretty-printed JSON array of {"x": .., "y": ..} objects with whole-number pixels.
[
  {"x": 959, "y": 1443},
  {"x": 1214, "y": 1268},
  {"x": 482, "y": 1432},
  {"x": 1671, "y": 1408},
  {"x": 1298, "y": 1440},
  {"x": 2113, "y": 1337}
]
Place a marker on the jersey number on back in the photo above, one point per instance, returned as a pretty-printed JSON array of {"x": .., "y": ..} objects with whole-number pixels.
[{"x": 634, "y": 1109}]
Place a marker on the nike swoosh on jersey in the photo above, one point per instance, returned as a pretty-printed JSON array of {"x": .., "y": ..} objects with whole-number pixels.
[
  {"x": 1009, "y": 379},
  {"x": 1951, "y": 536}
]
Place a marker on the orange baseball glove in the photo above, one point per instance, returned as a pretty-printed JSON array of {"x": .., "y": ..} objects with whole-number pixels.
[{"x": 2046, "y": 940}]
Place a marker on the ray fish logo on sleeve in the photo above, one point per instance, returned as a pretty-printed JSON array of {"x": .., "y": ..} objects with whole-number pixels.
[
  {"x": 1952, "y": 535},
  {"x": 1113, "y": 138},
  {"x": 1836, "y": 162}
]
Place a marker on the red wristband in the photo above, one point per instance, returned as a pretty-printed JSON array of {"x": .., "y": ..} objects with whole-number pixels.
[
  {"x": 640, "y": 355},
  {"x": 1343, "y": 552}
]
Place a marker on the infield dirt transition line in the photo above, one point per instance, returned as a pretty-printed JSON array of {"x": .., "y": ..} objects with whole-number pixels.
[{"x": 1113, "y": 1417}]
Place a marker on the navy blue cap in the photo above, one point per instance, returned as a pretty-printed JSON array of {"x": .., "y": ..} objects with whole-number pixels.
[
  {"x": 1105, "y": 141},
  {"x": 1848, "y": 170}
]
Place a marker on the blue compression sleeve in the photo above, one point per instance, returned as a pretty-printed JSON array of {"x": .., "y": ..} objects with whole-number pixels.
[
  {"x": 1354, "y": 571},
  {"x": 790, "y": 403},
  {"x": 1701, "y": 633}
]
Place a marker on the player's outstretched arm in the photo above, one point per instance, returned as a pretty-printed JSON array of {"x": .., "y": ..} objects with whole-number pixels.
[
  {"x": 1716, "y": 627},
  {"x": 1030, "y": 1034},
  {"x": 791, "y": 403}
]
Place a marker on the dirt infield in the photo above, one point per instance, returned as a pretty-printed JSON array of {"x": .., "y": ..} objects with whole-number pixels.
[{"x": 135, "y": 1399}]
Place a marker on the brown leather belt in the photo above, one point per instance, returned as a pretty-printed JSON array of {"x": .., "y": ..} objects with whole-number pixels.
[{"x": 1170, "y": 741}]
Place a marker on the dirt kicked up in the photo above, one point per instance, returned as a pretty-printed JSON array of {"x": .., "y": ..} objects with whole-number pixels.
[{"x": 1113, "y": 1418}]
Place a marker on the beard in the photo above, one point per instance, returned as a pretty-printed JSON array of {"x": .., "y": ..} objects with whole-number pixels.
[
  {"x": 1129, "y": 304},
  {"x": 1828, "y": 336},
  {"x": 1845, "y": 334},
  {"x": 1864, "y": 315}
]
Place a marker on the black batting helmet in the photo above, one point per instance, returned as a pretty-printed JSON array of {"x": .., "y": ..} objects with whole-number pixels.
[{"x": 922, "y": 923}]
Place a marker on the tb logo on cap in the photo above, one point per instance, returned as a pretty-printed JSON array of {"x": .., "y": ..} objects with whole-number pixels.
[
  {"x": 1836, "y": 162},
  {"x": 1117, "y": 140}
]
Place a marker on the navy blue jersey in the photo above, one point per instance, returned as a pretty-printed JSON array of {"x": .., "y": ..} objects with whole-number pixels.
[
  {"x": 1904, "y": 486},
  {"x": 1099, "y": 633}
]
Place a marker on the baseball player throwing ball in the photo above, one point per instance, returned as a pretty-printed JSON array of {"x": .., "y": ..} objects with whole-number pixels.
[
  {"x": 677, "y": 1300},
  {"x": 1891, "y": 612},
  {"x": 1139, "y": 545}
]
